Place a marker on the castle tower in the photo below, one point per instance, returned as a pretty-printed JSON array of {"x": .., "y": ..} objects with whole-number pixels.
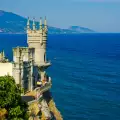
[{"x": 37, "y": 38}]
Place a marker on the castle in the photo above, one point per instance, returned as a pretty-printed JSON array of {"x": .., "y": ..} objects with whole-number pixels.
[
  {"x": 29, "y": 63},
  {"x": 28, "y": 68}
]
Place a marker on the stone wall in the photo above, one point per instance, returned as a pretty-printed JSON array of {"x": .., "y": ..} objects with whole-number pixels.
[{"x": 6, "y": 69}]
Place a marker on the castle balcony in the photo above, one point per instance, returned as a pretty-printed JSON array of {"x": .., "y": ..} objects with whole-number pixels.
[
  {"x": 44, "y": 64},
  {"x": 44, "y": 88},
  {"x": 36, "y": 94}
]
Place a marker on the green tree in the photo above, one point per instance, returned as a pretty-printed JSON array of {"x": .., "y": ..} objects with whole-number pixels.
[{"x": 10, "y": 99}]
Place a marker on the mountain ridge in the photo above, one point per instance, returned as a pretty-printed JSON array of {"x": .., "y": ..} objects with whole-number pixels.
[{"x": 13, "y": 23}]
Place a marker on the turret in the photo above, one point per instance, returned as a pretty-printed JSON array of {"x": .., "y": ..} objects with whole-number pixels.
[
  {"x": 45, "y": 34},
  {"x": 28, "y": 24},
  {"x": 41, "y": 30},
  {"x": 3, "y": 55},
  {"x": 34, "y": 28},
  {"x": 45, "y": 24},
  {"x": 40, "y": 24}
]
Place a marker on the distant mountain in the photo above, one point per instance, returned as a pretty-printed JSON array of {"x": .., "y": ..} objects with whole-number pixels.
[
  {"x": 12, "y": 23},
  {"x": 80, "y": 29}
]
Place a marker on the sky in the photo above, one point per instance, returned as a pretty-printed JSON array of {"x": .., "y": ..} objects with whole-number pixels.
[{"x": 98, "y": 15}]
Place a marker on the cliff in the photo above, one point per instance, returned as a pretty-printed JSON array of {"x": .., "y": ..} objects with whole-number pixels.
[{"x": 44, "y": 109}]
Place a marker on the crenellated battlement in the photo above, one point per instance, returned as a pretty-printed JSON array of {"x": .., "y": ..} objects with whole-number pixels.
[{"x": 42, "y": 27}]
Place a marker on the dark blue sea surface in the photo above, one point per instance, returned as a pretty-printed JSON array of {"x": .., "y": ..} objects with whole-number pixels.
[{"x": 85, "y": 73}]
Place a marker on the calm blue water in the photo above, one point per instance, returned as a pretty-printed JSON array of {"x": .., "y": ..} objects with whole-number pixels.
[{"x": 85, "y": 73}]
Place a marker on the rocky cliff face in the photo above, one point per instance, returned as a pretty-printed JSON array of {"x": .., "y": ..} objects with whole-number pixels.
[{"x": 44, "y": 109}]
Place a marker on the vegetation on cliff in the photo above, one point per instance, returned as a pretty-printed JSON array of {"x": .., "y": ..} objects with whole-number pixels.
[{"x": 11, "y": 105}]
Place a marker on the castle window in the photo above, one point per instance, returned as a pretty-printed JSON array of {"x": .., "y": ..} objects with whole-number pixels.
[{"x": 45, "y": 57}]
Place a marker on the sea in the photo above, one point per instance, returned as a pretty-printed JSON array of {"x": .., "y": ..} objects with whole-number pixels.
[{"x": 85, "y": 73}]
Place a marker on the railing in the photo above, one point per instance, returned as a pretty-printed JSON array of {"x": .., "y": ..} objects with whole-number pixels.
[
  {"x": 46, "y": 63},
  {"x": 42, "y": 89}
]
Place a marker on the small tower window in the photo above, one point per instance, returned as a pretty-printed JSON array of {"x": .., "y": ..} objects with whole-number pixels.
[{"x": 45, "y": 57}]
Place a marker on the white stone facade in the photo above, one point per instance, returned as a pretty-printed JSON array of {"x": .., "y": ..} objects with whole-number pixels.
[
  {"x": 23, "y": 66},
  {"x": 6, "y": 69}
]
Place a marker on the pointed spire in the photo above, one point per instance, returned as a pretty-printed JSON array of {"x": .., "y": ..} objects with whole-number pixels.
[
  {"x": 45, "y": 22},
  {"x": 40, "y": 23},
  {"x": 28, "y": 23},
  {"x": 33, "y": 23},
  {"x": 3, "y": 54}
]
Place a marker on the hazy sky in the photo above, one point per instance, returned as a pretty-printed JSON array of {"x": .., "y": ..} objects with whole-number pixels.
[{"x": 99, "y": 15}]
